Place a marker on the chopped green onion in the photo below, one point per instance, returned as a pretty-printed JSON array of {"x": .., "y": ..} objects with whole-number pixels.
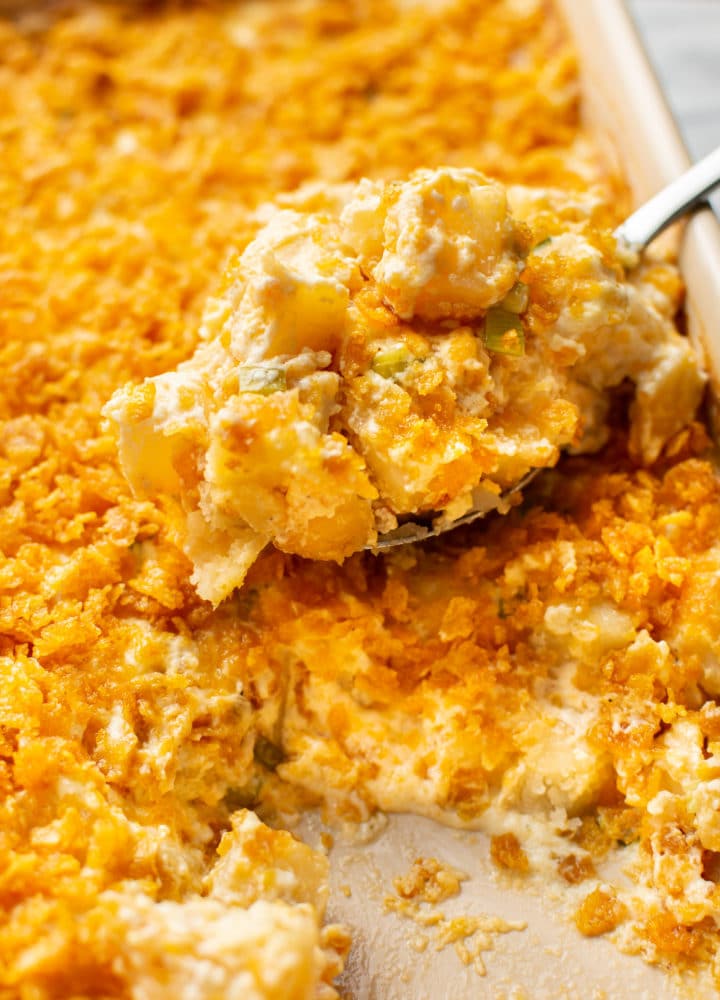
[
  {"x": 267, "y": 753},
  {"x": 504, "y": 332},
  {"x": 261, "y": 380},
  {"x": 516, "y": 300},
  {"x": 391, "y": 361},
  {"x": 243, "y": 796},
  {"x": 542, "y": 243},
  {"x": 623, "y": 837}
]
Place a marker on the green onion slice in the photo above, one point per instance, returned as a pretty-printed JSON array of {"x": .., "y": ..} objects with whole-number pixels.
[
  {"x": 390, "y": 361},
  {"x": 267, "y": 753},
  {"x": 504, "y": 332},
  {"x": 543, "y": 243},
  {"x": 517, "y": 299},
  {"x": 261, "y": 380}
]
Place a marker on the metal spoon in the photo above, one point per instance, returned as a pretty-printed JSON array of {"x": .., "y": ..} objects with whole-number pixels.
[{"x": 677, "y": 199}]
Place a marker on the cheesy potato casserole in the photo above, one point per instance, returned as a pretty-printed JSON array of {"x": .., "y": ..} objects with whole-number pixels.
[{"x": 394, "y": 334}]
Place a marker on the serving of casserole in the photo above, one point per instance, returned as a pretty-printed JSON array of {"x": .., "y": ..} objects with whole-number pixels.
[{"x": 192, "y": 661}]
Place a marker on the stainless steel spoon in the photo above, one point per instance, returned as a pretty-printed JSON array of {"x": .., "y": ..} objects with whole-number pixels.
[{"x": 677, "y": 199}]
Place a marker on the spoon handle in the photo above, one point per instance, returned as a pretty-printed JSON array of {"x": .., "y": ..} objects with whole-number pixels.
[{"x": 672, "y": 202}]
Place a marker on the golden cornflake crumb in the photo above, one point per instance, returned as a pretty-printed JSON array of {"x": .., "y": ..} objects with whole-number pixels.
[
  {"x": 575, "y": 869},
  {"x": 429, "y": 880},
  {"x": 671, "y": 939},
  {"x": 600, "y": 912},
  {"x": 506, "y": 852}
]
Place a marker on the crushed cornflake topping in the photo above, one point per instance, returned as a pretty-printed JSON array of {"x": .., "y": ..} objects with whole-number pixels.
[{"x": 430, "y": 881}]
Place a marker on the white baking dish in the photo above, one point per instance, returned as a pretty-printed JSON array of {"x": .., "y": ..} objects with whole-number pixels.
[
  {"x": 550, "y": 959},
  {"x": 624, "y": 103}
]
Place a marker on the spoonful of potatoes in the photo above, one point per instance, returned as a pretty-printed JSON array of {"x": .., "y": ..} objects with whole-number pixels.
[
  {"x": 387, "y": 360},
  {"x": 633, "y": 236}
]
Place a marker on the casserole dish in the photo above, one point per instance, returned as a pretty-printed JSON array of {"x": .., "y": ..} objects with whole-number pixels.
[
  {"x": 625, "y": 108},
  {"x": 143, "y": 729}
]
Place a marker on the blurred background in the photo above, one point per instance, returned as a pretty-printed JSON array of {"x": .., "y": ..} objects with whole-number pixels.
[{"x": 683, "y": 41}]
